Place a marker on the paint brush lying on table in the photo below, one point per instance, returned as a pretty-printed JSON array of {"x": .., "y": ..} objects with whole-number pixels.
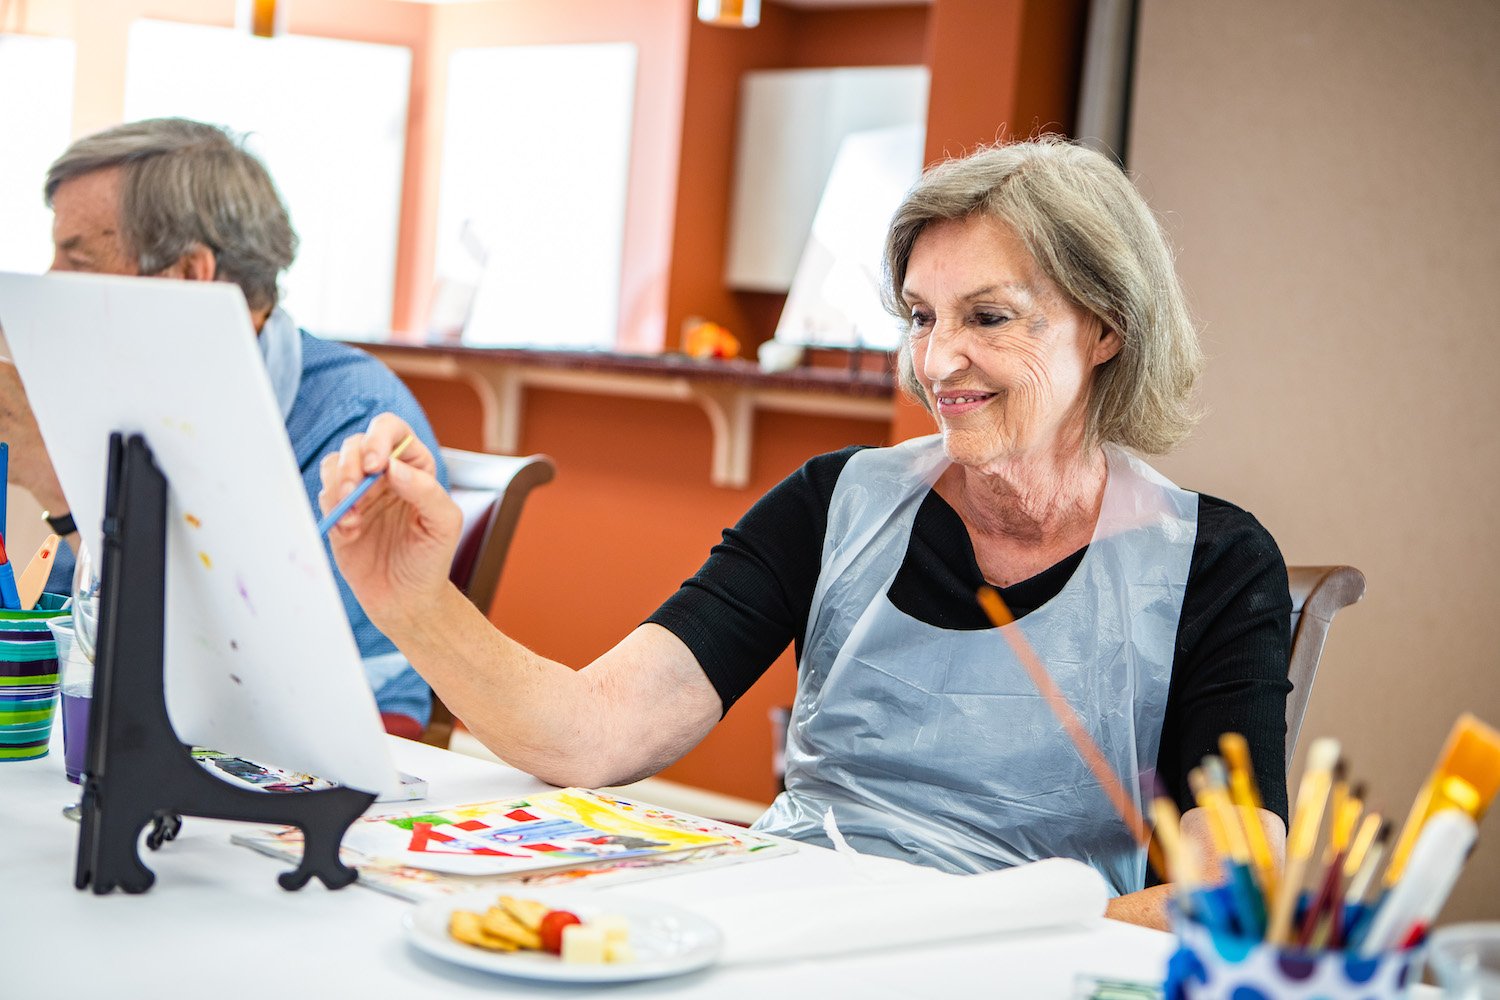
[{"x": 344, "y": 506}]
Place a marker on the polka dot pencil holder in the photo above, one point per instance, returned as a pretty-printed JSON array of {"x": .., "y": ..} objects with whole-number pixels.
[{"x": 1215, "y": 965}]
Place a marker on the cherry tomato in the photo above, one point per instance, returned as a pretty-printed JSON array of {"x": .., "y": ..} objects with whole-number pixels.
[{"x": 551, "y": 929}]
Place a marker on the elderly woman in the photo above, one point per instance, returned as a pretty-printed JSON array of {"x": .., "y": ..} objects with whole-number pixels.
[{"x": 1047, "y": 332}]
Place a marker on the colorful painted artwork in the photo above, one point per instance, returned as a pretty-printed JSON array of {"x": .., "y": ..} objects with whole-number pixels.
[
  {"x": 687, "y": 843},
  {"x": 570, "y": 826}
]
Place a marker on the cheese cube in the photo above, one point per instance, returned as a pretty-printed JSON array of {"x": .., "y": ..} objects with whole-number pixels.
[
  {"x": 616, "y": 928},
  {"x": 583, "y": 944}
]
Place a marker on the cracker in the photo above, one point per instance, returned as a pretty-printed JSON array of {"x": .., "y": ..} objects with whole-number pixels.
[
  {"x": 468, "y": 927},
  {"x": 498, "y": 923},
  {"x": 527, "y": 912}
]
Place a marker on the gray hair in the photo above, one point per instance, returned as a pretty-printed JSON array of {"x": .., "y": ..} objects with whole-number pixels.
[
  {"x": 1092, "y": 233},
  {"x": 187, "y": 184}
]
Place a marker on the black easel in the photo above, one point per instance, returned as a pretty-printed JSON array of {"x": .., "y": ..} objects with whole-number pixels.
[{"x": 138, "y": 771}]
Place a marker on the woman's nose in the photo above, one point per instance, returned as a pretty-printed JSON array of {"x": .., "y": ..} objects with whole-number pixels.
[{"x": 945, "y": 353}]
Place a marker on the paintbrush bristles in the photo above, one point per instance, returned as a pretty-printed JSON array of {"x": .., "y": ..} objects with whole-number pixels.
[
  {"x": 1323, "y": 754},
  {"x": 1213, "y": 770}
]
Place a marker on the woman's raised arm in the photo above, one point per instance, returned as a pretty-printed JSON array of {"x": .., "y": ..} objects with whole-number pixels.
[{"x": 631, "y": 712}]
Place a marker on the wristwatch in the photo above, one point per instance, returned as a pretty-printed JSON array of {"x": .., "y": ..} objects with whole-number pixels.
[{"x": 61, "y": 525}]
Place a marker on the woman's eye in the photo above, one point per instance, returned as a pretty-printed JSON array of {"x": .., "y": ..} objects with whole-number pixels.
[
  {"x": 991, "y": 319},
  {"x": 920, "y": 320}
]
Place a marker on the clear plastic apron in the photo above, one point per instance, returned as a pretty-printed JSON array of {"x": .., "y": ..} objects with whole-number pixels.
[{"x": 932, "y": 745}]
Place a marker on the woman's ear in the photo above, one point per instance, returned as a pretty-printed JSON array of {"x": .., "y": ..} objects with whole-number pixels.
[{"x": 1107, "y": 346}]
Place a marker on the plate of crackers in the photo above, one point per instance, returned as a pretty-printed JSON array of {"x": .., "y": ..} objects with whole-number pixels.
[{"x": 564, "y": 935}]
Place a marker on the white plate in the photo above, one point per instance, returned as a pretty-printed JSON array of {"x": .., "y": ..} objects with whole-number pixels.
[{"x": 667, "y": 941}]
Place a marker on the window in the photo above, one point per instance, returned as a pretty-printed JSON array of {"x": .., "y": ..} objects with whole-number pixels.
[
  {"x": 536, "y": 160},
  {"x": 328, "y": 118},
  {"x": 35, "y": 130}
]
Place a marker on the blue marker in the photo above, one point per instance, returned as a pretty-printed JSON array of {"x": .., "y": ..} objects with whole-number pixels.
[
  {"x": 9, "y": 596},
  {"x": 333, "y": 516},
  {"x": 5, "y": 480}
]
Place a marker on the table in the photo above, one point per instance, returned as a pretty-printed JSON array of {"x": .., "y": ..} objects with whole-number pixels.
[{"x": 216, "y": 923}]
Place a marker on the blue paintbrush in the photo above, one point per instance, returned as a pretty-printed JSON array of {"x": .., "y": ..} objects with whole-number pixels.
[{"x": 332, "y": 517}]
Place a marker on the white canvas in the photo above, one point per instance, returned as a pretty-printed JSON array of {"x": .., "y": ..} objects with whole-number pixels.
[
  {"x": 835, "y": 297},
  {"x": 260, "y": 660}
]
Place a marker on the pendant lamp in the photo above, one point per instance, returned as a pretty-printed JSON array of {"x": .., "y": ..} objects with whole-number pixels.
[
  {"x": 730, "y": 13},
  {"x": 263, "y": 18}
]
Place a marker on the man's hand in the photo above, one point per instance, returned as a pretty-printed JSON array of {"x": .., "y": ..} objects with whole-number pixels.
[{"x": 30, "y": 466}]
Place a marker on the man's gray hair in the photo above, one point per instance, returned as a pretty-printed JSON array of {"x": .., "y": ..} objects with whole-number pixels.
[
  {"x": 1093, "y": 234},
  {"x": 187, "y": 184}
]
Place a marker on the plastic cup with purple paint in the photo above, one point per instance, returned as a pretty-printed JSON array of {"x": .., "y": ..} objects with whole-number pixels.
[{"x": 77, "y": 681}]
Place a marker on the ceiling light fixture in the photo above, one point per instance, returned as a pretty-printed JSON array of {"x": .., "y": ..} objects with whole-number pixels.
[
  {"x": 263, "y": 18},
  {"x": 730, "y": 13}
]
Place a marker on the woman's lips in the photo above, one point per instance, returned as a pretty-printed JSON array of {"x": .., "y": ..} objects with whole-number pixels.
[{"x": 954, "y": 403}]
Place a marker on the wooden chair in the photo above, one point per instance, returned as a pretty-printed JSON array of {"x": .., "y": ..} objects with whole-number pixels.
[
  {"x": 490, "y": 490},
  {"x": 1318, "y": 593}
]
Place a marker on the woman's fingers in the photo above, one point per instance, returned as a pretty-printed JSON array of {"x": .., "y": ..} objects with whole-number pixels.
[
  {"x": 412, "y": 484},
  {"x": 370, "y": 452},
  {"x": 337, "y": 478},
  {"x": 387, "y": 431}
]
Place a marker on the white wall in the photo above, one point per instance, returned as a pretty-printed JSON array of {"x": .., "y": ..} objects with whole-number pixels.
[{"x": 1331, "y": 172}]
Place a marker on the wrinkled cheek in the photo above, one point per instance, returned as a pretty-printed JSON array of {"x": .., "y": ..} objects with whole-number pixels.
[{"x": 1028, "y": 394}]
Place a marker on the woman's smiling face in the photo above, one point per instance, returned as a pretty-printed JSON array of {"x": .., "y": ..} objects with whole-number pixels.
[{"x": 1005, "y": 358}]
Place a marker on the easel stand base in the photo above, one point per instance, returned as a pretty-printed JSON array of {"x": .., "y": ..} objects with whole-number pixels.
[{"x": 138, "y": 772}]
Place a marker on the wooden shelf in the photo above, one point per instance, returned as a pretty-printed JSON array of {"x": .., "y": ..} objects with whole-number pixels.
[{"x": 728, "y": 392}]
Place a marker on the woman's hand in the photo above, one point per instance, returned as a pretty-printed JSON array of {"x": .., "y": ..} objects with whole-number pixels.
[{"x": 395, "y": 546}]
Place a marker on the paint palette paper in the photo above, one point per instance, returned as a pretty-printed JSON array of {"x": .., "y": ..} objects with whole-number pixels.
[{"x": 260, "y": 660}]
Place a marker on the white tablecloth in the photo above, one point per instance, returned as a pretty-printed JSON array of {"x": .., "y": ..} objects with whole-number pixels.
[{"x": 216, "y": 924}]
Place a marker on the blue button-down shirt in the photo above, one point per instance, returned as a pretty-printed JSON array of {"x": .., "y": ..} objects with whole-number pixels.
[{"x": 326, "y": 392}]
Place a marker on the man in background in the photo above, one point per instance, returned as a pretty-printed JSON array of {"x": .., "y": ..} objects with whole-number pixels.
[{"x": 173, "y": 198}]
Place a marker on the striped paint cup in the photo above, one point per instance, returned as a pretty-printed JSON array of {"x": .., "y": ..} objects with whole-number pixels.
[{"x": 26, "y": 713}]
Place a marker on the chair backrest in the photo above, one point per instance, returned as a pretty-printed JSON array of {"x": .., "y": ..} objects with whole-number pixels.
[
  {"x": 1318, "y": 593},
  {"x": 490, "y": 490}
]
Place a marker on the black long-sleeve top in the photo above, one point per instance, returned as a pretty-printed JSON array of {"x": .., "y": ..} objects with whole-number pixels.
[{"x": 1229, "y": 674}]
